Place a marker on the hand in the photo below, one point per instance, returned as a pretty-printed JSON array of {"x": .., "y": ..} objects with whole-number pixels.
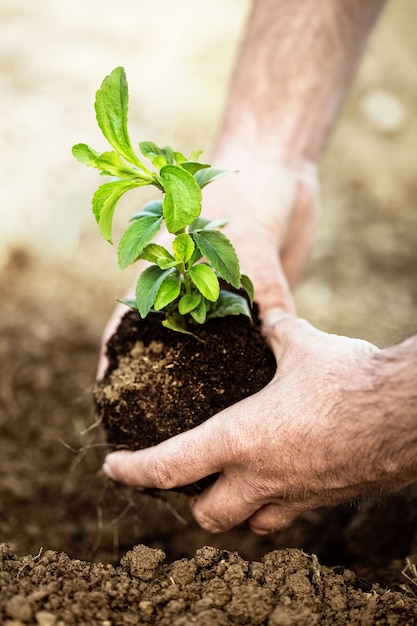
[
  {"x": 271, "y": 208},
  {"x": 313, "y": 437}
]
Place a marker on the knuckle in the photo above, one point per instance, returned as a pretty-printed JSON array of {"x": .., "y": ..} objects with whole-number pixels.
[
  {"x": 208, "y": 523},
  {"x": 161, "y": 473}
]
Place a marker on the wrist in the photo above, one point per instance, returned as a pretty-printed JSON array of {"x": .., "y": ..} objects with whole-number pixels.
[
  {"x": 264, "y": 163},
  {"x": 392, "y": 411}
]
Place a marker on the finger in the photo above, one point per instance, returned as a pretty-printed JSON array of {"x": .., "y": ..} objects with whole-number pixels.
[
  {"x": 224, "y": 505},
  {"x": 281, "y": 328},
  {"x": 181, "y": 460},
  {"x": 272, "y": 517}
]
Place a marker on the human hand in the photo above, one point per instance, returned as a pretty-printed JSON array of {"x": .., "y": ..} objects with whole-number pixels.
[
  {"x": 313, "y": 437},
  {"x": 271, "y": 205}
]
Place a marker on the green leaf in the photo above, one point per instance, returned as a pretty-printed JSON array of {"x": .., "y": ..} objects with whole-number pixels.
[
  {"x": 202, "y": 223},
  {"x": 206, "y": 281},
  {"x": 154, "y": 207},
  {"x": 111, "y": 107},
  {"x": 197, "y": 255},
  {"x": 206, "y": 176},
  {"x": 135, "y": 238},
  {"x": 229, "y": 304},
  {"x": 220, "y": 253},
  {"x": 168, "y": 292},
  {"x": 128, "y": 302},
  {"x": 148, "y": 286},
  {"x": 193, "y": 166},
  {"x": 188, "y": 302},
  {"x": 150, "y": 148},
  {"x": 156, "y": 155},
  {"x": 111, "y": 163},
  {"x": 104, "y": 203},
  {"x": 199, "y": 314},
  {"x": 247, "y": 285},
  {"x": 182, "y": 201},
  {"x": 195, "y": 155},
  {"x": 151, "y": 151},
  {"x": 155, "y": 253},
  {"x": 177, "y": 323},
  {"x": 84, "y": 154},
  {"x": 179, "y": 158},
  {"x": 183, "y": 247}
]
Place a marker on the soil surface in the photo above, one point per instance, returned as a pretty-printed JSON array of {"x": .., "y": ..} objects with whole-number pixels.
[{"x": 81, "y": 549}]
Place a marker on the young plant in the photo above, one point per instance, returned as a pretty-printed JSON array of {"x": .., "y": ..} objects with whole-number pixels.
[{"x": 181, "y": 283}]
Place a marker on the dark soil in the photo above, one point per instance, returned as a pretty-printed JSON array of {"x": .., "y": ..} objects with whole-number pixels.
[{"x": 159, "y": 383}]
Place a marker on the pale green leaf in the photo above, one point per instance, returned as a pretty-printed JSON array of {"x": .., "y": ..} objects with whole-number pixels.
[
  {"x": 177, "y": 323},
  {"x": 197, "y": 255},
  {"x": 150, "y": 148},
  {"x": 104, "y": 203},
  {"x": 169, "y": 154},
  {"x": 247, "y": 285},
  {"x": 199, "y": 314},
  {"x": 128, "y": 302},
  {"x": 206, "y": 281},
  {"x": 111, "y": 107},
  {"x": 111, "y": 163},
  {"x": 202, "y": 223},
  {"x": 229, "y": 303},
  {"x": 182, "y": 201},
  {"x": 188, "y": 302},
  {"x": 183, "y": 247},
  {"x": 195, "y": 155},
  {"x": 153, "y": 253},
  {"x": 168, "y": 292},
  {"x": 206, "y": 176},
  {"x": 220, "y": 253},
  {"x": 193, "y": 166},
  {"x": 148, "y": 286},
  {"x": 84, "y": 154},
  {"x": 135, "y": 238},
  {"x": 154, "y": 207},
  {"x": 179, "y": 158},
  {"x": 159, "y": 161}
]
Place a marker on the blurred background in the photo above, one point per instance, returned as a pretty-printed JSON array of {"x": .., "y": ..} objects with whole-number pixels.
[{"x": 179, "y": 57}]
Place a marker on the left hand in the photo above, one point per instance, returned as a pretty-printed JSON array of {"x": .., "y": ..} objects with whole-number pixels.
[{"x": 311, "y": 438}]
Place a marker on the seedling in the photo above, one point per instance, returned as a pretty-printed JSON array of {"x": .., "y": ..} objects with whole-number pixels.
[{"x": 181, "y": 284}]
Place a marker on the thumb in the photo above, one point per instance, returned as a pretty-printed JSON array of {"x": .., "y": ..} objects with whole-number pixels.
[
  {"x": 178, "y": 461},
  {"x": 276, "y": 327}
]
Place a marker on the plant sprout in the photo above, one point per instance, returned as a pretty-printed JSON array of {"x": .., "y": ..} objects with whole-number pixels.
[{"x": 181, "y": 283}]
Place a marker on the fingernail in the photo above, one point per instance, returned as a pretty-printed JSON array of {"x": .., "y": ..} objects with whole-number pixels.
[{"x": 108, "y": 471}]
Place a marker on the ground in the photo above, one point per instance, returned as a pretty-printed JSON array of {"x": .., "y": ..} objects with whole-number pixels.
[{"x": 58, "y": 285}]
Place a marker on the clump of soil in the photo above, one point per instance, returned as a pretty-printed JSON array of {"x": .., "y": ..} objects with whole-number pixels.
[
  {"x": 159, "y": 382},
  {"x": 214, "y": 588}
]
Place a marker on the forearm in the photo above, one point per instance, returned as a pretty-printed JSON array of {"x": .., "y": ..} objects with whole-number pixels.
[{"x": 295, "y": 66}]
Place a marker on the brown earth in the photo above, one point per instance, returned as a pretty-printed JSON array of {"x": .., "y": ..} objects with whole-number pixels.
[{"x": 362, "y": 281}]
